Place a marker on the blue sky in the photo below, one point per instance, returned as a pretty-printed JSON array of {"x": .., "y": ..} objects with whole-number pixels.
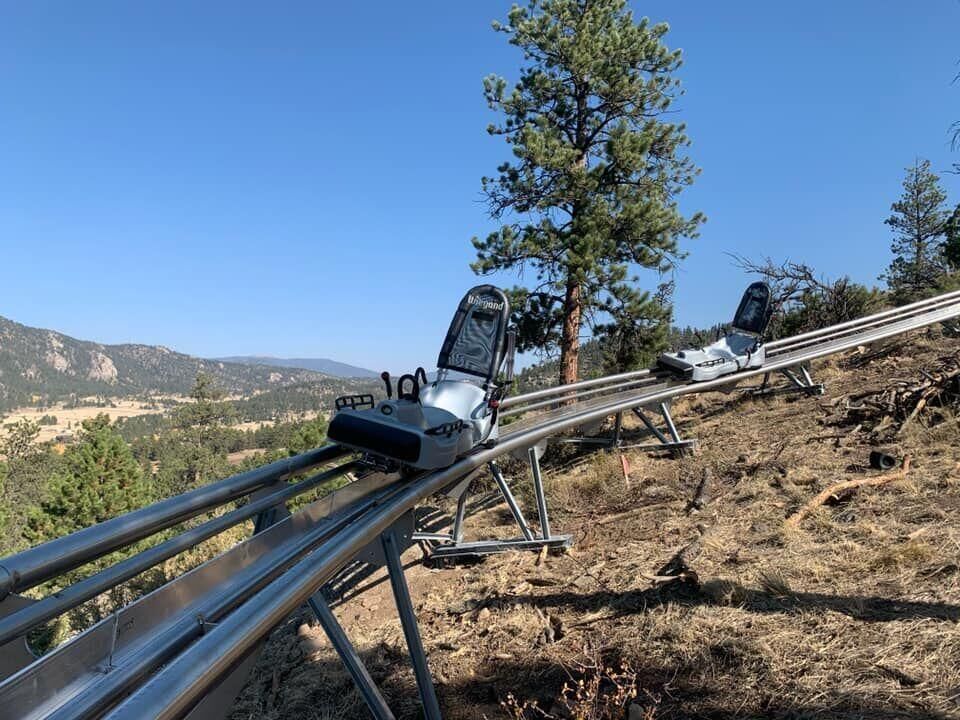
[{"x": 302, "y": 179}]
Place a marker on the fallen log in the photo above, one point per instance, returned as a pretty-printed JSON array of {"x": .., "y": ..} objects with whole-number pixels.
[{"x": 846, "y": 486}]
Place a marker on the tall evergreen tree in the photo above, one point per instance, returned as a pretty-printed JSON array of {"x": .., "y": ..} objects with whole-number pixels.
[
  {"x": 591, "y": 193},
  {"x": 207, "y": 413},
  {"x": 951, "y": 239},
  {"x": 918, "y": 222},
  {"x": 198, "y": 451},
  {"x": 100, "y": 480},
  {"x": 631, "y": 342}
]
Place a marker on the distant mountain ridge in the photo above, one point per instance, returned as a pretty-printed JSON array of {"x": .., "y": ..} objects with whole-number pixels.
[
  {"x": 48, "y": 366},
  {"x": 323, "y": 365}
]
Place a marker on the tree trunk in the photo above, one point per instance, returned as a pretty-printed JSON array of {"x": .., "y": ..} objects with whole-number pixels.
[{"x": 570, "y": 340}]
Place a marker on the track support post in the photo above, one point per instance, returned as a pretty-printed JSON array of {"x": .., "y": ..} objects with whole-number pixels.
[
  {"x": 384, "y": 552},
  {"x": 351, "y": 660},
  {"x": 799, "y": 379},
  {"x": 408, "y": 620},
  {"x": 670, "y": 440},
  {"x": 453, "y": 545}
]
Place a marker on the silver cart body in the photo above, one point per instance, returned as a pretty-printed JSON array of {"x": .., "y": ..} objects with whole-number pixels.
[
  {"x": 430, "y": 424},
  {"x": 741, "y": 348}
]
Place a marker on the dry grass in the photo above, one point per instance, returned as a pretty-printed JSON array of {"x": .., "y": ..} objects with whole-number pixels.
[
  {"x": 854, "y": 614},
  {"x": 70, "y": 419}
]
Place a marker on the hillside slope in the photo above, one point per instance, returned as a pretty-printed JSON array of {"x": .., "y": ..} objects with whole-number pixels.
[
  {"x": 321, "y": 365},
  {"x": 851, "y": 615},
  {"x": 55, "y": 366}
]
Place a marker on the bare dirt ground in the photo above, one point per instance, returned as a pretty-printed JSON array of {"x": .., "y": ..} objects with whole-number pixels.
[
  {"x": 688, "y": 612},
  {"x": 69, "y": 419}
]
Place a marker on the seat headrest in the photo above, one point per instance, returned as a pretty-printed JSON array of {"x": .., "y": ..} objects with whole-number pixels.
[{"x": 476, "y": 339}]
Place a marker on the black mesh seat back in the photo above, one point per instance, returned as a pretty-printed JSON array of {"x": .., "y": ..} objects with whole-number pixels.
[
  {"x": 477, "y": 336},
  {"x": 753, "y": 314}
]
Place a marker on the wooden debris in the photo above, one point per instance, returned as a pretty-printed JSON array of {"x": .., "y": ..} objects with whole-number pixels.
[
  {"x": 845, "y": 487},
  {"x": 898, "y": 675},
  {"x": 903, "y": 401},
  {"x": 702, "y": 494},
  {"x": 687, "y": 576},
  {"x": 864, "y": 355},
  {"x": 617, "y": 517},
  {"x": 677, "y": 568}
]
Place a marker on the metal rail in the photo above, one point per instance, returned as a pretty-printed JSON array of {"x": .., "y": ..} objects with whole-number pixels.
[
  {"x": 817, "y": 336},
  {"x": 189, "y": 647},
  {"x": 31, "y": 567},
  {"x": 54, "y": 605},
  {"x": 573, "y": 391},
  {"x": 556, "y": 390},
  {"x": 84, "y": 676},
  {"x": 185, "y": 679},
  {"x": 902, "y": 310}
]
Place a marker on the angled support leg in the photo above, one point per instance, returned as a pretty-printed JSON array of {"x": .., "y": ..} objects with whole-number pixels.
[
  {"x": 511, "y": 501},
  {"x": 455, "y": 547},
  {"x": 538, "y": 490},
  {"x": 668, "y": 419},
  {"x": 804, "y": 383},
  {"x": 408, "y": 620},
  {"x": 348, "y": 655},
  {"x": 799, "y": 379},
  {"x": 384, "y": 552},
  {"x": 650, "y": 426},
  {"x": 459, "y": 517},
  {"x": 674, "y": 442}
]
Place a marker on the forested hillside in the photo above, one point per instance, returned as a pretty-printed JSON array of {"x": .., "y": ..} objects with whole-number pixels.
[{"x": 46, "y": 366}]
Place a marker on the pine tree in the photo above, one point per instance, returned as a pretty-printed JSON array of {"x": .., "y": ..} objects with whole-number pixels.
[
  {"x": 208, "y": 412},
  {"x": 918, "y": 222},
  {"x": 630, "y": 341},
  {"x": 591, "y": 194},
  {"x": 19, "y": 439},
  {"x": 951, "y": 239},
  {"x": 100, "y": 480}
]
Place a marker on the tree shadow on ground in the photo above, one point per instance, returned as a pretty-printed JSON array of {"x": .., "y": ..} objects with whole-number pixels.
[
  {"x": 667, "y": 691},
  {"x": 729, "y": 594}
]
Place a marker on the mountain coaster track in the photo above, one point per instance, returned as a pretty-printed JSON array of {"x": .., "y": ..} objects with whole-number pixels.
[{"x": 186, "y": 649}]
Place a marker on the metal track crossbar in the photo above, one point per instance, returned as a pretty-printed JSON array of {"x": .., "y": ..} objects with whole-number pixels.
[{"x": 667, "y": 439}]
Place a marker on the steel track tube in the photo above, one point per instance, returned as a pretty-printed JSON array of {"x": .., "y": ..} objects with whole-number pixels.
[
  {"x": 795, "y": 344},
  {"x": 174, "y": 638},
  {"x": 51, "y": 606},
  {"x": 579, "y": 385},
  {"x": 32, "y": 567},
  {"x": 780, "y": 345},
  {"x": 920, "y": 305},
  {"x": 577, "y": 396}
]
